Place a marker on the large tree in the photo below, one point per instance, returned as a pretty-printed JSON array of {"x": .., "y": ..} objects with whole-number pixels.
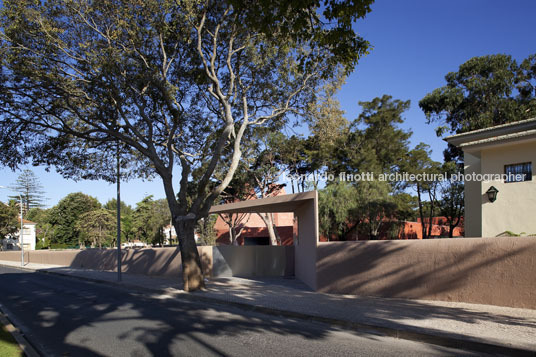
[
  {"x": 162, "y": 83},
  {"x": 65, "y": 215},
  {"x": 127, "y": 223},
  {"x": 31, "y": 190},
  {"x": 149, "y": 218},
  {"x": 97, "y": 227},
  {"x": 43, "y": 228},
  {"x": 485, "y": 91},
  {"x": 451, "y": 204},
  {"x": 8, "y": 219},
  {"x": 418, "y": 162},
  {"x": 338, "y": 210}
]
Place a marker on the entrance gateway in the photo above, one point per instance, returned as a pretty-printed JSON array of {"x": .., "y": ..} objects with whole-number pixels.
[{"x": 305, "y": 208}]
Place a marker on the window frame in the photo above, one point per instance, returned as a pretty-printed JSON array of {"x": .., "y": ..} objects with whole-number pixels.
[{"x": 518, "y": 164}]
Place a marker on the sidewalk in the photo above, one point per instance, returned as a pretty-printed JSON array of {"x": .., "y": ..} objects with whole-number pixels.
[{"x": 483, "y": 328}]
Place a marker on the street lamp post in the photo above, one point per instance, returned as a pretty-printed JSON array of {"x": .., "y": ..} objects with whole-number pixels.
[
  {"x": 118, "y": 215},
  {"x": 21, "y": 233}
]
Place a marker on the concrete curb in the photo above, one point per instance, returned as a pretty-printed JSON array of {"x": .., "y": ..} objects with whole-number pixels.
[
  {"x": 405, "y": 334},
  {"x": 24, "y": 344}
]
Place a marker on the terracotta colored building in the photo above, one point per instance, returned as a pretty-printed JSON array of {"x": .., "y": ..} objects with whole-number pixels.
[
  {"x": 440, "y": 228},
  {"x": 407, "y": 230},
  {"x": 254, "y": 230}
]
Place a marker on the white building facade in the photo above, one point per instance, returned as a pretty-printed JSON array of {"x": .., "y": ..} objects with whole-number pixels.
[{"x": 501, "y": 195}]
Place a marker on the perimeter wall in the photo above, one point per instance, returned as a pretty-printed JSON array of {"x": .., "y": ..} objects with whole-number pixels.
[
  {"x": 496, "y": 271},
  {"x": 216, "y": 261}
]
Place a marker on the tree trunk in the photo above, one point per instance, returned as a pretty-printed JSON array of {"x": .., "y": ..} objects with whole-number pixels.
[
  {"x": 272, "y": 230},
  {"x": 421, "y": 213},
  {"x": 431, "y": 216},
  {"x": 233, "y": 236},
  {"x": 192, "y": 273}
]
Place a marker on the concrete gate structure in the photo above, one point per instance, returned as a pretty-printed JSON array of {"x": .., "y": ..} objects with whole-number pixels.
[{"x": 305, "y": 208}]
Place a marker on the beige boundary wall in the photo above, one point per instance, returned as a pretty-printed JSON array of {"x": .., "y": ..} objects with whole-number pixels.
[
  {"x": 246, "y": 261},
  {"x": 252, "y": 261},
  {"x": 495, "y": 271}
]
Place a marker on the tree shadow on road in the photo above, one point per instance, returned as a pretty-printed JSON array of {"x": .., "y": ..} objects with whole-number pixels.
[{"x": 74, "y": 318}]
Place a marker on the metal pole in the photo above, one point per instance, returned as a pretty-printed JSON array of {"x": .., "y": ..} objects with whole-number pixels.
[
  {"x": 118, "y": 217},
  {"x": 21, "y": 235}
]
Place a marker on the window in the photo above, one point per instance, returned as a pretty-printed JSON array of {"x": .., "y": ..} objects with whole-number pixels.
[{"x": 518, "y": 172}]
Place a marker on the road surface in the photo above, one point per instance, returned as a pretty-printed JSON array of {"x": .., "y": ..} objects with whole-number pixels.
[{"x": 62, "y": 316}]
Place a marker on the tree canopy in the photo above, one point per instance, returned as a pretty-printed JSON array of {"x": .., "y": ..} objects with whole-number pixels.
[
  {"x": 97, "y": 226},
  {"x": 65, "y": 215},
  {"x": 485, "y": 91},
  {"x": 8, "y": 219},
  {"x": 31, "y": 190},
  {"x": 162, "y": 83}
]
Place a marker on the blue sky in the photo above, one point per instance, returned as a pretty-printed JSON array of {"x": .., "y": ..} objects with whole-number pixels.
[{"x": 415, "y": 43}]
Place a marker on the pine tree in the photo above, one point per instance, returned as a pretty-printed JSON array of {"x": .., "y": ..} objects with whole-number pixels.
[{"x": 31, "y": 190}]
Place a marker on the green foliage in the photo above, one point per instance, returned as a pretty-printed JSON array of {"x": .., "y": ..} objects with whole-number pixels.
[
  {"x": 65, "y": 215},
  {"x": 63, "y": 246},
  {"x": 127, "y": 221},
  {"x": 338, "y": 210},
  {"x": 111, "y": 205},
  {"x": 9, "y": 223},
  {"x": 375, "y": 206},
  {"x": 163, "y": 83},
  {"x": 374, "y": 143},
  {"x": 418, "y": 162},
  {"x": 98, "y": 227},
  {"x": 295, "y": 160},
  {"x": 282, "y": 21},
  {"x": 383, "y": 142},
  {"x": 43, "y": 228},
  {"x": 8, "y": 345},
  {"x": 148, "y": 219},
  {"x": 451, "y": 204},
  {"x": 155, "y": 65},
  {"x": 31, "y": 190},
  {"x": 509, "y": 234},
  {"x": 205, "y": 230},
  {"x": 485, "y": 91},
  {"x": 406, "y": 206}
]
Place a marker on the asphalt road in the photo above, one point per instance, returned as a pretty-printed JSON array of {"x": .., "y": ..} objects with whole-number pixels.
[{"x": 66, "y": 317}]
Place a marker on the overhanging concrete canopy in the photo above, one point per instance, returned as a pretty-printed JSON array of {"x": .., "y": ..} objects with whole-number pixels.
[
  {"x": 282, "y": 203},
  {"x": 305, "y": 207}
]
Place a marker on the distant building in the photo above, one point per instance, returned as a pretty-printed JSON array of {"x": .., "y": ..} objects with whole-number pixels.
[
  {"x": 170, "y": 236},
  {"x": 392, "y": 229},
  {"x": 254, "y": 231},
  {"x": 28, "y": 237},
  {"x": 500, "y": 192}
]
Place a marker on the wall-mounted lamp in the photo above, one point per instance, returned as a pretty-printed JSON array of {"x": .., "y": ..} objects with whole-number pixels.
[{"x": 492, "y": 194}]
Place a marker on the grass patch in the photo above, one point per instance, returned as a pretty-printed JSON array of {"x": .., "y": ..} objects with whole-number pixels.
[{"x": 8, "y": 346}]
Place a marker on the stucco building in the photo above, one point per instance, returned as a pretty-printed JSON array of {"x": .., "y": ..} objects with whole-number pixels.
[
  {"x": 254, "y": 231},
  {"x": 500, "y": 192},
  {"x": 28, "y": 237}
]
